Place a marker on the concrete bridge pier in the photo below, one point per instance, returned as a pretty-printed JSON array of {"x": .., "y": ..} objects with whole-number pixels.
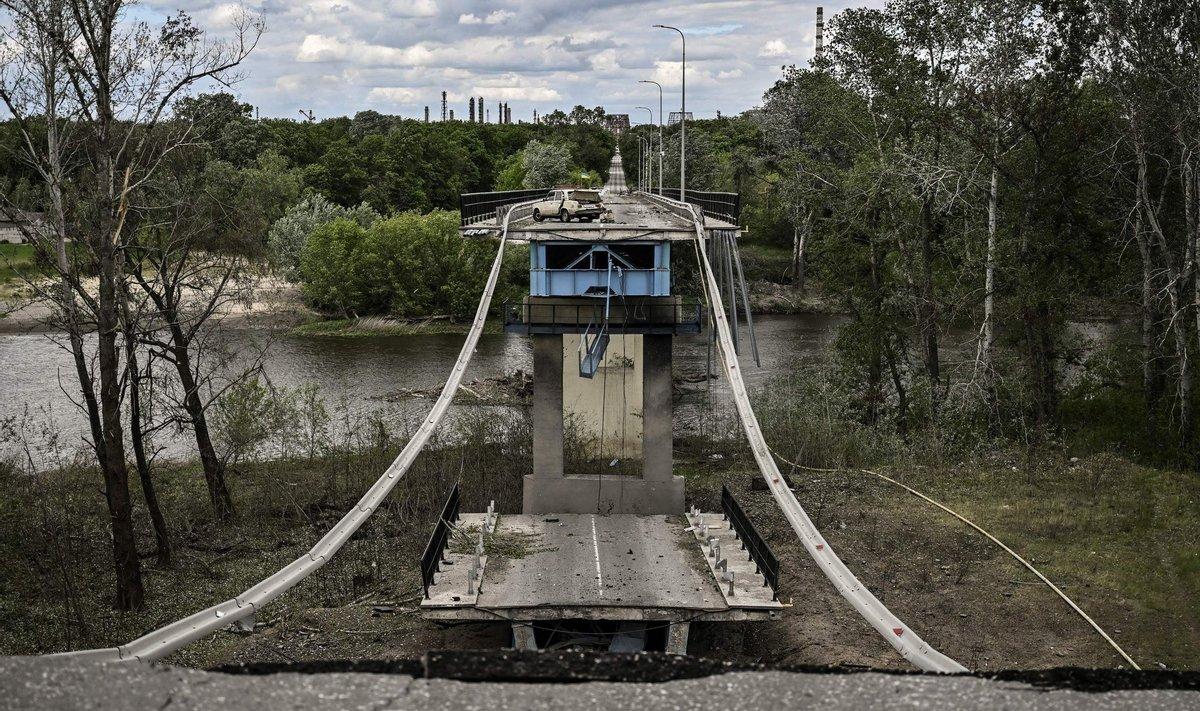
[{"x": 642, "y": 399}]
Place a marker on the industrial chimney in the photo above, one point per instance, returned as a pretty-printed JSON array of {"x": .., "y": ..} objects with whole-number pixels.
[
  {"x": 820, "y": 29},
  {"x": 426, "y": 114}
]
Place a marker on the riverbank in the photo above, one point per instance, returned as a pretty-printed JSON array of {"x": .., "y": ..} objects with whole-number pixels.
[
  {"x": 1121, "y": 539},
  {"x": 276, "y": 304}
]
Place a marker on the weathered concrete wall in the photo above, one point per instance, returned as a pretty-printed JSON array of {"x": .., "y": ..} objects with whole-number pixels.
[
  {"x": 606, "y": 410},
  {"x": 657, "y": 442},
  {"x": 547, "y": 407}
]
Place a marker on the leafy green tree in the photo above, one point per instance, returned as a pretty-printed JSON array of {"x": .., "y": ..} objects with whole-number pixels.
[
  {"x": 330, "y": 273},
  {"x": 545, "y": 164},
  {"x": 512, "y": 172},
  {"x": 290, "y": 233}
]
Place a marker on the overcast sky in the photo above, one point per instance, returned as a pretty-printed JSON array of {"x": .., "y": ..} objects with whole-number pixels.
[{"x": 338, "y": 57}]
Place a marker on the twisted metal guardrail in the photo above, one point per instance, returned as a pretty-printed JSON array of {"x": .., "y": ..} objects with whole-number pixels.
[
  {"x": 480, "y": 207},
  {"x": 902, "y": 638},
  {"x": 721, "y": 205},
  {"x": 761, "y": 553},
  {"x": 168, "y": 639}
]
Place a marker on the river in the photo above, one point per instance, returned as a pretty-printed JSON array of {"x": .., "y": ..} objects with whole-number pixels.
[{"x": 356, "y": 373}]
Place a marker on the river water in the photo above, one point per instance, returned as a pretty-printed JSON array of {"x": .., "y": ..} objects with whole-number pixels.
[{"x": 356, "y": 373}]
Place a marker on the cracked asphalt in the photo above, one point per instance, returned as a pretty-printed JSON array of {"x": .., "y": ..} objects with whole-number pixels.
[{"x": 56, "y": 683}]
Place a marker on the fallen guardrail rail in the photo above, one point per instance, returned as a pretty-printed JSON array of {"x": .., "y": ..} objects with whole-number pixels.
[
  {"x": 241, "y": 609},
  {"x": 765, "y": 562},
  {"x": 902, "y": 638}
]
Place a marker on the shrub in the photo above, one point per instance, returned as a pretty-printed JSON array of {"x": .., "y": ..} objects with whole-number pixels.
[
  {"x": 409, "y": 265},
  {"x": 290, "y": 233}
]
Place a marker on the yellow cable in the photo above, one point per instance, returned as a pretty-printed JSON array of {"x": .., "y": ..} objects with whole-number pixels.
[{"x": 989, "y": 536}]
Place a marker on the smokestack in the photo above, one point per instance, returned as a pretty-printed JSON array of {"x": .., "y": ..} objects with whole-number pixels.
[
  {"x": 443, "y": 106},
  {"x": 820, "y": 30},
  {"x": 426, "y": 114},
  {"x": 472, "y": 105}
]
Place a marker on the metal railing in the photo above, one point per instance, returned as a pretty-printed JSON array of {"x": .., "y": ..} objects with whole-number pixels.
[
  {"x": 481, "y": 207},
  {"x": 765, "y": 562},
  {"x": 903, "y": 638},
  {"x": 723, "y": 206},
  {"x": 431, "y": 559},
  {"x": 676, "y": 317}
]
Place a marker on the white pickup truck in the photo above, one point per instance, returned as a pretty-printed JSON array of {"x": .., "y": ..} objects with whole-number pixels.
[{"x": 567, "y": 203}]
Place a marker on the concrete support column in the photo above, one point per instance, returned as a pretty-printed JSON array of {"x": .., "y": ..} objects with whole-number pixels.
[
  {"x": 547, "y": 406},
  {"x": 523, "y": 639},
  {"x": 656, "y": 409},
  {"x": 677, "y": 638}
]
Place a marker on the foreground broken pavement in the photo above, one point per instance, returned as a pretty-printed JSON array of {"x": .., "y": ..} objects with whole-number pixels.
[{"x": 50, "y": 683}]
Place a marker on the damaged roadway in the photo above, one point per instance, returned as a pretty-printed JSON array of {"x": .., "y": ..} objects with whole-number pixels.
[{"x": 57, "y": 683}]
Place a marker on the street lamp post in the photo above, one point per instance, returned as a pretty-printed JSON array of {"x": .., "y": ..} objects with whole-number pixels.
[
  {"x": 650, "y": 152},
  {"x": 661, "y": 145},
  {"x": 641, "y": 160},
  {"x": 682, "y": 113}
]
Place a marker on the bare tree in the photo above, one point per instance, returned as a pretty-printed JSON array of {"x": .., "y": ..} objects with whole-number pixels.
[
  {"x": 120, "y": 78},
  {"x": 191, "y": 286},
  {"x": 1150, "y": 55}
]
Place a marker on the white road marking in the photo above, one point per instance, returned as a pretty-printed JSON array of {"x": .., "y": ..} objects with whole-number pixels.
[{"x": 596, "y": 548}]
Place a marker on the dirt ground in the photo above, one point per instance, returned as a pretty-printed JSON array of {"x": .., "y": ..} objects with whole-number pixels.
[
  {"x": 276, "y": 303},
  {"x": 962, "y": 594}
]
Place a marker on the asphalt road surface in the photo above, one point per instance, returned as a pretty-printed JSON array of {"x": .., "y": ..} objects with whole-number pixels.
[
  {"x": 616, "y": 177},
  {"x": 53, "y": 683}
]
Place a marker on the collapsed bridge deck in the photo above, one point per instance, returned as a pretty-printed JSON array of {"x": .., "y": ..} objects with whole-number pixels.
[
  {"x": 585, "y": 566},
  {"x": 635, "y": 217}
]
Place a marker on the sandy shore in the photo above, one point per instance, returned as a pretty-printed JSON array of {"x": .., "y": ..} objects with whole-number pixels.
[{"x": 276, "y": 304}]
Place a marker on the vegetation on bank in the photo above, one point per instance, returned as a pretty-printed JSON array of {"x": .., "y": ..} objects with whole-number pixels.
[
  {"x": 15, "y": 260},
  {"x": 1121, "y": 538}
]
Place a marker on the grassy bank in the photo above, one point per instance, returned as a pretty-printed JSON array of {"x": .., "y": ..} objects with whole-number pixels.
[
  {"x": 55, "y": 559},
  {"x": 1122, "y": 539},
  {"x": 379, "y": 326},
  {"x": 15, "y": 260}
]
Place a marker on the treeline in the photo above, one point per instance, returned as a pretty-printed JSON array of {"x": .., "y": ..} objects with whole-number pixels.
[
  {"x": 391, "y": 163},
  {"x": 994, "y": 170},
  {"x": 991, "y": 172}
]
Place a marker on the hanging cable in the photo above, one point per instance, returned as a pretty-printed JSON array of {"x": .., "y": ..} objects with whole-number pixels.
[{"x": 987, "y": 535}]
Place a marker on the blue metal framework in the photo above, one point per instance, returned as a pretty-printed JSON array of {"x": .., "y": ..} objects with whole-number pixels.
[{"x": 589, "y": 273}]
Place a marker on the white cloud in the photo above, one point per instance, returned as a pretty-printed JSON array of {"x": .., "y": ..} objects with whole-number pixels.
[
  {"x": 322, "y": 48},
  {"x": 341, "y": 56},
  {"x": 774, "y": 48},
  {"x": 514, "y": 88},
  {"x": 414, "y": 8},
  {"x": 396, "y": 95},
  {"x": 605, "y": 61}
]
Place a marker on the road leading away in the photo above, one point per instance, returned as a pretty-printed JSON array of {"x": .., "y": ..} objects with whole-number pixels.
[{"x": 616, "y": 177}]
